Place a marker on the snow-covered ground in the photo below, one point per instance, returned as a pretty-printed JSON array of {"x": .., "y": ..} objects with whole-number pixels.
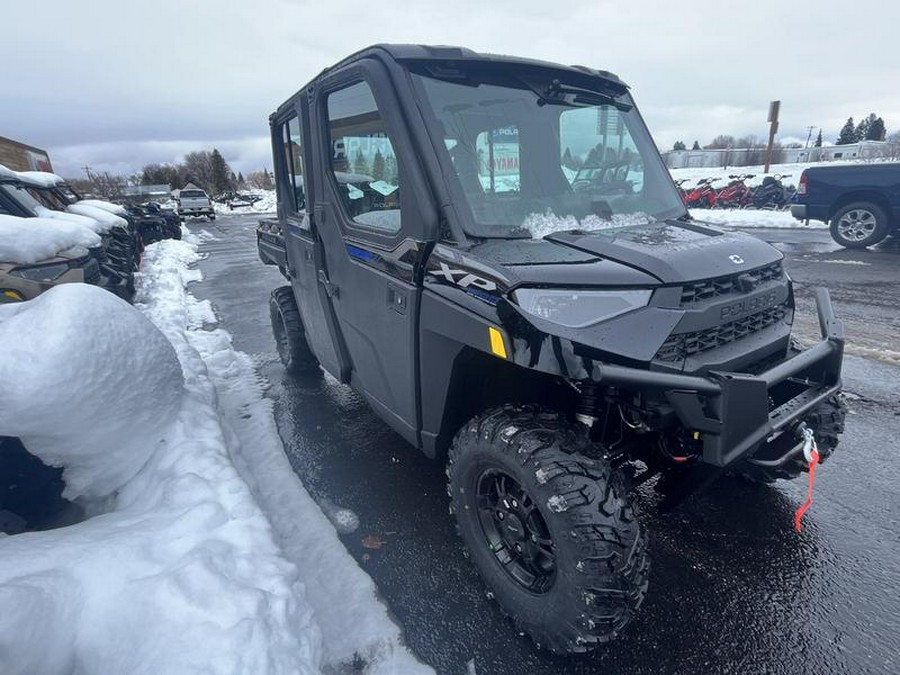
[
  {"x": 267, "y": 204},
  {"x": 204, "y": 552},
  {"x": 747, "y": 218},
  {"x": 790, "y": 172}
]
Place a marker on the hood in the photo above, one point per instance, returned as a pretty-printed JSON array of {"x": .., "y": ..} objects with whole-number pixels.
[{"x": 674, "y": 251}]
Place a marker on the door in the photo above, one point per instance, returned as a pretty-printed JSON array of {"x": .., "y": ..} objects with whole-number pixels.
[
  {"x": 370, "y": 258},
  {"x": 303, "y": 248}
]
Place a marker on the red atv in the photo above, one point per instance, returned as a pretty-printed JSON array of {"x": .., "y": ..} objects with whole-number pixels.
[
  {"x": 735, "y": 195},
  {"x": 703, "y": 195}
]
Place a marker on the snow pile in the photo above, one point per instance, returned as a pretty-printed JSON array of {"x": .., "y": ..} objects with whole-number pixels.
[
  {"x": 542, "y": 224},
  {"x": 182, "y": 574},
  {"x": 753, "y": 218},
  {"x": 30, "y": 240},
  {"x": 107, "y": 219},
  {"x": 267, "y": 204},
  {"x": 353, "y": 622},
  {"x": 78, "y": 393}
]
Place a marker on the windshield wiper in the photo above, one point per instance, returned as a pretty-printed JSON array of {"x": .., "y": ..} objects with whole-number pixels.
[{"x": 557, "y": 92}]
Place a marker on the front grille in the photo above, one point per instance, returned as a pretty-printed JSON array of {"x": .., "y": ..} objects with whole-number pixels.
[
  {"x": 733, "y": 283},
  {"x": 683, "y": 345}
]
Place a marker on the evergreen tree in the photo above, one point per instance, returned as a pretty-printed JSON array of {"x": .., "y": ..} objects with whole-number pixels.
[
  {"x": 696, "y": 145},
  {"x": 378, "y": 166},
  {"x": 220, "y": 173},
  {"x": 848, "y": 133},
  {"x": 568, "y": 160},
  {"x": 679, "y": 146},
  {"x": 862, "y": 129},
  {"x": 240, "y": 179},
  {"x": 876, "y": 132},
  {"x": 360, "y": 165},
  {"x": 818, "y": 142}
]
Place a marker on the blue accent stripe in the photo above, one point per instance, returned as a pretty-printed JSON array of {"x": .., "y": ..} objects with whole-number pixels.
[{"x": 362, "y": 254}]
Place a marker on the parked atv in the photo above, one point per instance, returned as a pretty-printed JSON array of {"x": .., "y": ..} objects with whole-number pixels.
[
  {"x": 555, "y": 346},
  {"x": 24, "y": 278},
  {"x": 771, "y": 193},
  {"x": 703, "y": 195}
]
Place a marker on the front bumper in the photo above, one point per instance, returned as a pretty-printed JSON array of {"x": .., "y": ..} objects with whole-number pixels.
[{"x": 733, "y": 412}]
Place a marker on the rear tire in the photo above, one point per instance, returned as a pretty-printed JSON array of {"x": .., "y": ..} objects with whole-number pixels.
[
  {"x": 859, "y": 225},
  {"x": 549, "y": 525},
  {"x": 827, "y": 423},
  {"x": 290, "y": 338}
]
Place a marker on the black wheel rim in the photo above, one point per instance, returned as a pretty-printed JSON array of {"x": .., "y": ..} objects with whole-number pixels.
[{"x": 515, "y": 531}]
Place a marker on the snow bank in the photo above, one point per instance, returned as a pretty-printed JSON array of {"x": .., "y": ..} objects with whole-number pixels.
[
  {"x": 30, "y": 240},
  {"x": 268, "y": 204},
  {"x": 109, "y": 220},
  {"x": 343, "y": 597},
  {"x": 182, "y": 573},
  {"x": 753, "y": 218},
  {"x": 77, "y": 391}
]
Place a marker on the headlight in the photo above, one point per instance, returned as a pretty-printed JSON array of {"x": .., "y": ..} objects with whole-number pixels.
[
  {"x": 577, "y": 309},
  {"x": 43, "y": 273}
]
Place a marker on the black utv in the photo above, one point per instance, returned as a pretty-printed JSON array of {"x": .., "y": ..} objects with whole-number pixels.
[{"x": 556, "y": 341}]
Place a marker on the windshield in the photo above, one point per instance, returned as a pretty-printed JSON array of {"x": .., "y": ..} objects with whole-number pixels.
[
  {"x": 532, "y": 157},
  {"x": 193, "y": 193},
  {"x": 22, "y": 196},
  {"x": 48, "y": 198}
]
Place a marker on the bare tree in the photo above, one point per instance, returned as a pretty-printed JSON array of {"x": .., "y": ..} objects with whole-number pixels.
[
  {"x": 261, "y": 180},
  {"x": 198, "y": 169},
  {"x": 101, "y": 184}
]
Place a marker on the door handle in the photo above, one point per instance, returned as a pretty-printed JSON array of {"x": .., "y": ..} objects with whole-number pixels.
[{"x": 396, "y": 299}]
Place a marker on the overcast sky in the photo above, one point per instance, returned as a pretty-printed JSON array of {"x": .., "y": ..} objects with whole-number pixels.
[{"x": 116, "y": 84}]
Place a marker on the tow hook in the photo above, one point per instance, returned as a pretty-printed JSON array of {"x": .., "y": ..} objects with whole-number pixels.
[{"x": 811, "y": 454}]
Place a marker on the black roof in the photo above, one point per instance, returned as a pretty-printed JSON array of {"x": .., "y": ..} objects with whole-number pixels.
[{"x": 408, "y": 53}]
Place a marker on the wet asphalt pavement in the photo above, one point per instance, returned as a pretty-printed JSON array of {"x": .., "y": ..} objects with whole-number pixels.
[{"x": 733, "y": 589}]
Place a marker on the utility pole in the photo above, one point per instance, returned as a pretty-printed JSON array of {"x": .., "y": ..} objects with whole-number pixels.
[
  {"x": 774, "y": 108},
  {"x": 808, "y": 136}
]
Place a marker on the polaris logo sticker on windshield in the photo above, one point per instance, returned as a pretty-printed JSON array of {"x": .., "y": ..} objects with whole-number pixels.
[{"x": 466, "y": 278}]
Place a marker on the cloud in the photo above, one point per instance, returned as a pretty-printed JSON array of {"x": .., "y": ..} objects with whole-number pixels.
[{"x": 116, "y": 85}]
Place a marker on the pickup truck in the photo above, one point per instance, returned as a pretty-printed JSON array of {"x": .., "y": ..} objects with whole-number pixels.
[
  {"x": 861, "y": 202},
  {"x": 192, "y": 201}
]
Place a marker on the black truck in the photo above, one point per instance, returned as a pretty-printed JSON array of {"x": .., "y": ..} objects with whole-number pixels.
[
  {"x": 861, "y": 202},
  {"x": 556, "y": 345}
]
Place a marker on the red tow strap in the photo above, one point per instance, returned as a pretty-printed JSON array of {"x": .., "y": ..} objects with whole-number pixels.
[{"x": 813, "y": 462}]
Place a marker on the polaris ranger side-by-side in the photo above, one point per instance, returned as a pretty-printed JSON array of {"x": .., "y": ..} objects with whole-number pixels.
[{"x": 556, "y": 342}]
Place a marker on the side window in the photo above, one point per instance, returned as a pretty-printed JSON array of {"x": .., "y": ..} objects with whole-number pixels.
[
  {"x": 598, "y": 153},
  {"x": 498, "y": 159},
  {"x": 363, "y": 162},
  {"x": 293, "y": 156}
]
